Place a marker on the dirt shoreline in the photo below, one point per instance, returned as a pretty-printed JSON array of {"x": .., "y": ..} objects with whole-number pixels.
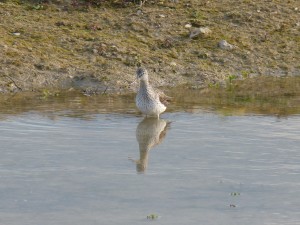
[{"x": 96, "y": 49}]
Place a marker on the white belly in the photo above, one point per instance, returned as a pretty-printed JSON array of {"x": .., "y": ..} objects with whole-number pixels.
[{"x": 151, "y": 107}]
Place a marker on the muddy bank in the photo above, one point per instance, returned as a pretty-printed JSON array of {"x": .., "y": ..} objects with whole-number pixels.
[
  {"x": 96, "y": 49},
  {"x": 263, "y": 95}
]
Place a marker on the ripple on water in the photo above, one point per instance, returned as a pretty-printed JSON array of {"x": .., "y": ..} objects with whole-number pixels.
[{"x": 117, "y": 168}]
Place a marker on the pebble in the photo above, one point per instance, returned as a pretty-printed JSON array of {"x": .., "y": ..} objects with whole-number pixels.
[
  {"x": 225, "y": 45},
  {"x": 188, "y": 25},
  {"x": 173, "y": 64},
  {"x": 205, "y": 31},
  {"x": 139, "y": 12}
]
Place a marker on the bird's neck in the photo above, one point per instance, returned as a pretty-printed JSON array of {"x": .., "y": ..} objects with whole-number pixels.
[{"x": 144, "y": 83}]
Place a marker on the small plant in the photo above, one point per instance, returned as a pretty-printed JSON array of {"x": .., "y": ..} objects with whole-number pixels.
[
  {"x": 198, "y": 15},
  {"x": 245, "y": 73},
  {"x": 231, "y": 77},
  {"x": 152, "y": 217},
  {"x": 167, "y": 43},
  {"x": 47, "y": 93},
  {"x": 214, "y": 85},
  {"x": 235, "y": 194}
]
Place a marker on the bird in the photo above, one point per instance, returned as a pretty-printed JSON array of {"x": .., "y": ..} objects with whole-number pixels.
[{"x": 149, "y": 101}]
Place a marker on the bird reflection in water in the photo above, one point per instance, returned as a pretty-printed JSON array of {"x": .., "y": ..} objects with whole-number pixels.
[{"x": 149, "y": 133}]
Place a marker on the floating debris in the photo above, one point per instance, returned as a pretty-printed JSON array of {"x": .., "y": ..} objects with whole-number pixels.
[
  {"x": 235, "y": 193},
  {"x": 152, "y": 217}
]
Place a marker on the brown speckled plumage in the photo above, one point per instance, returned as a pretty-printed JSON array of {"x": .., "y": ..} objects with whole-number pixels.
[{"x": 149, "y": 101}]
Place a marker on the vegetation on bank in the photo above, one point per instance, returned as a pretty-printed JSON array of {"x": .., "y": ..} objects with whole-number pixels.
[{"x": 95, "y": 45}]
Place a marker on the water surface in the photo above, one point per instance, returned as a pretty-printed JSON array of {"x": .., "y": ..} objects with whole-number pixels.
[{"x": 96, "y": 160}]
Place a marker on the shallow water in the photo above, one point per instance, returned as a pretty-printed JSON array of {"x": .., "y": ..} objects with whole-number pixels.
[{"x": 95, "y": 160}]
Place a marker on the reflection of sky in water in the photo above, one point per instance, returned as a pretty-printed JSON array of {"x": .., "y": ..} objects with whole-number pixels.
[{"x": 73, "y": 171}]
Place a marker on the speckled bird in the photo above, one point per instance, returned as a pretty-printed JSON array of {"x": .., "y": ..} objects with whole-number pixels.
[{"x": 149, "y": 101}]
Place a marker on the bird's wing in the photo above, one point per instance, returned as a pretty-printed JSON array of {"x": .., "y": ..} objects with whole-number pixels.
[{"x": 163, "y": 98}]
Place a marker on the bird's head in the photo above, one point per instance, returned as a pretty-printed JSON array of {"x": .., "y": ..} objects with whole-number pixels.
[{"x": 141, "y": 73}]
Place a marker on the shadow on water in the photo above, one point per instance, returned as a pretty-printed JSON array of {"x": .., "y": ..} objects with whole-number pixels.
[{"x": 149, "y": 133}]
